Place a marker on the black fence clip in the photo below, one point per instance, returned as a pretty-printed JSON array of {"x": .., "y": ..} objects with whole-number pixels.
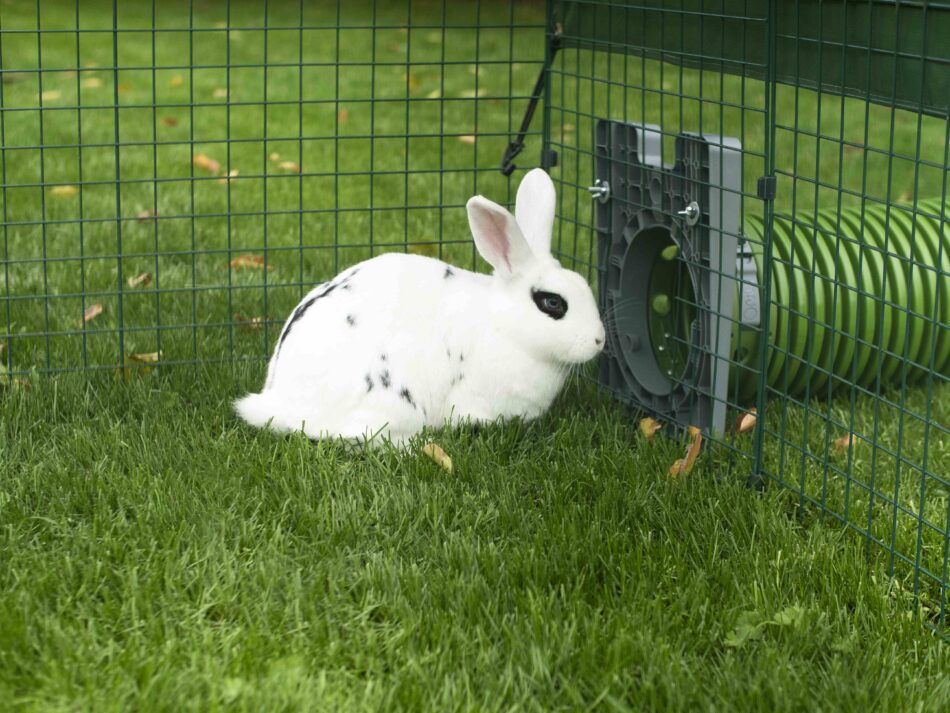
[{"x": 517, "y": 146}]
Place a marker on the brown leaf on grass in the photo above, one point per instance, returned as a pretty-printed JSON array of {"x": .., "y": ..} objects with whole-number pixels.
[
  {"x": 412, "y": 82},
  {"x": 467, "y": 139},
  {"x": 169, "y": 121},
  {"x": 176, "y": 81},
  {"x": 683, "y": 465},
  {"x": 137, "y": 364},
  {"x": 249, "y": 323},
  {"x": 274, "y": 157},
  {"x": 649, "y": 427},
  {"x": 145, "y": 215},
  {"x": 342, "y": 115},
  {"x": 50, "y": 95},
  {"x": 143, "y": 280},
  {"x": 64, "y": 191},
  {"x": 395, "y": 47},
  {"x": 15, "y": 77},
  {"x": 852, "y": 148},
  {"x": 123, "y": 87},
  {"x": 249, "y": 261},
  {"x": 208, "y": 164},
  {"x": 91, "y": 83},
  {"x": 844, "y": 443},
  {"x": 92, "y": 311},
  {"x": 289, "y": 166},
  {"x": 434, "y": 94},
  {"x": 440, "y": 457},
  {"x": 220, "y": 93},
  {"x": 428, "y": 249},
  {"x": 745, "y": 422},
  {"x": 230, "y": 177}
]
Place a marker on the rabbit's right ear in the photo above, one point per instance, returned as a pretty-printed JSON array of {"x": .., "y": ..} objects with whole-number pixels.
[
  {"x": 534, "y": 210},
  {"x": 497, "y": 236}
]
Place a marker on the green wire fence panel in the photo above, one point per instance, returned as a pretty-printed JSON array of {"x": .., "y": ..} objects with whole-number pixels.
[
  {"x": 757, "y": 188},
  {"x": 807, "y": 279},
  {"x": 175, "y": 175}
]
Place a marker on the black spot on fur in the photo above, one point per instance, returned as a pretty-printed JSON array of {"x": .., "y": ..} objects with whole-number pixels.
[
  {"x": 384, "y": 378},
  {"x": 382, "y": 357},
  {"x": 301, "y": 310},
  {"x": 369, "y": 383},
  {"x": 461, "y": 357},
  {"x": 448, "y": 352},
  {"x": 407, "y": 396},
  {"x": 345, "y": 286},
  {"x": 457, "y": 379},
  {"x": 448, "y": 273},
  {"x": 351, "y": 320}
]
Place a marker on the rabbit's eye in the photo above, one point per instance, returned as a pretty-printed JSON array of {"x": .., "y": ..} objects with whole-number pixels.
[{"x": 553, "y": 305}]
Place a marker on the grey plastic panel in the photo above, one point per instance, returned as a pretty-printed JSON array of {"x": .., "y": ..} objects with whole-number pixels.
[{"x": 634, "y": 226}]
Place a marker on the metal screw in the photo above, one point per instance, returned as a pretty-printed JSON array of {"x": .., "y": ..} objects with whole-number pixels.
[
  {"x": 691, "y": 213},
  {"x": 600, "y": 190}
]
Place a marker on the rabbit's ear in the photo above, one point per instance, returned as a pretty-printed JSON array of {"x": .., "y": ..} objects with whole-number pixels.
[
  {"x": 498, "y": 237},
  {"x": 534, "y": 210}
]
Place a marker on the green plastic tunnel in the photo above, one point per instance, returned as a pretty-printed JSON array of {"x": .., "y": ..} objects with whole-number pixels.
[{"x": 857, "y": 298}]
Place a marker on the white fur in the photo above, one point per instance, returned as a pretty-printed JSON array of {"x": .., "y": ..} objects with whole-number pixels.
[{"x": 392, "y": 344}]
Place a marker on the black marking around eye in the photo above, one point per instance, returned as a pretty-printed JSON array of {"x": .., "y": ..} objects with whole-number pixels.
[
  {"x": 351, "y": 320},
  {"x": 407, "y": 396},
  {"x": 551, "y": 303},
  {"x": 448, "y": 273},
  {"x": 384, "y": 378},
  {"x": 369, "y": 383}
]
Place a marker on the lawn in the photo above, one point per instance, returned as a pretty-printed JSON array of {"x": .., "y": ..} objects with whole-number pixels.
[{"x": 155, "y": 554}]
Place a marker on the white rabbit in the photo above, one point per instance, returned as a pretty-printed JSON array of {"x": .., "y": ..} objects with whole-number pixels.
[{"x": 400, "y": 342}]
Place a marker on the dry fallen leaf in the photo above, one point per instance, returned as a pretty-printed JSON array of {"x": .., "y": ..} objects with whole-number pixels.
[
  {"x": 176, "y": 81},
  {"x": 92, "y": 311},
  {"x": 123, "y": 87},
  {"x": 275, "y": 157},
  {"x": 342, "y": 115},
  {"x": 649, "y": 427},
  {"x": 746, "y": 421},
  {"x": 844, "y": 443},
  {"x": 169, "y": 121},
  {"x": 412, "y": 82},
  {"x": 144, "y": 215},
  {"x": 91, "y": 83},
  {"x": 684, "y": 465},
  {"x": 249, "y": 261},
  {"x": 467, "y": 139},
  {"x": 428, "y": 249},
  {"x": 220, "y": 93},
  {"x": 289, "y": 166},
  {"x": 142, "y": 280},
  {"x": 208, "y": 164},
  {"x": 51, "y": 95},
  {"x": 434, "y": 452},
  {"x": 137, "y": 364},
  {"x": 230, "y": 177},
  {"x": 249, "y": 322},
  {"x": 64, "y": 191},
  {"x": 434, "y": 94}
]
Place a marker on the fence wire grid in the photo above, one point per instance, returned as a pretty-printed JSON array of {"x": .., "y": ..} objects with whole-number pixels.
[{"x": 175, "y": 175}]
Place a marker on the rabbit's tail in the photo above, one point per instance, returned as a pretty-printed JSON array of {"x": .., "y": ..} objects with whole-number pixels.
[{"x": 259, "y": 410}]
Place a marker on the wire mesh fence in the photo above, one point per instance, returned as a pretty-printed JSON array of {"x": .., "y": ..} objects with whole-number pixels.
[
  {"x": 833, "y": 293},
  {"x": 767, "y": 230},
  {"x": 181, "y": 173}
]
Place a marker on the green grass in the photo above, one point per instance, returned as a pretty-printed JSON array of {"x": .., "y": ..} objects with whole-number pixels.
[
  {"x": 154, "y": 554},
  {"x": 157, "y": 555}
]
